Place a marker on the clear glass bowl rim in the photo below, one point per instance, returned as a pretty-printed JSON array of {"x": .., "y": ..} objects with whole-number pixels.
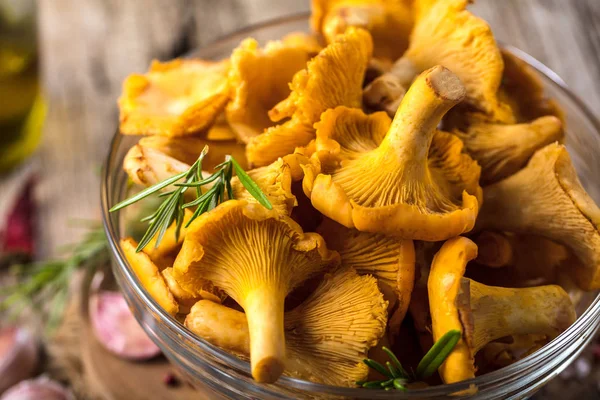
[{"x": 492, "y": 378}]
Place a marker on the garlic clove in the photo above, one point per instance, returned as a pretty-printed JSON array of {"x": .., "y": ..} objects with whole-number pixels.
[
  {"x": 18, "y": 356},
  {"x": 38, "y": 389},
  {"x": 116, "y": 328}
]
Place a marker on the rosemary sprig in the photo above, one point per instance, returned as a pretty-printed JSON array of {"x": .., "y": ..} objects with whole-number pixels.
[
  {"x": 44, "y": 286},
  {"x": 396, "y": 375},
  {"x": 172, "y": 209}
]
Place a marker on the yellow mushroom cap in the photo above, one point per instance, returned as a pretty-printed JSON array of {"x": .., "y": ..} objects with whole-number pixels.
[
  {"x": 149, "y": 276},
  {"x": 259, "y": 80},
  {"x": 147, "y": 166},
  {"x": 546, "y": 198},
  {"x": 334, "y": 77},
  {"x": 416, "y": 183},
  {"x": 449, "y": 35},
  {"x": 180, "y": 97},
  {"x": 523, "y": 90},
  {"x": 445, "y": 33},
  {"x": 257, "y": 256},
  {"x": 486, "y": 313},
  {"x": 275, "y": 180},
  {"x": 188, "y": 149},
  {"x": 327, "y": 336},
  {"x": 390, "y": 260},
  {"x": 388, "y": 22},
  {"x": 502, "y": 150}
]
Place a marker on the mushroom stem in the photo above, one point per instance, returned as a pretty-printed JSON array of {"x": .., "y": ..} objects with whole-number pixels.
[
  {"x": 495, "y": 312},
  {"x": 429, "y": 98},
  {"x": 264, "y": 310}
]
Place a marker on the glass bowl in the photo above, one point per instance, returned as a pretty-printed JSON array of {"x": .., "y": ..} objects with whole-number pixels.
[{"x": 219, "y": 374}]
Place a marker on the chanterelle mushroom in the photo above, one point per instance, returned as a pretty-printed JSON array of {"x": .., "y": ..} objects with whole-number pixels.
[
  {"x": 180, "y": 97},
  {"x": 187, "y": 149},
  {"x": 149, "y": 275},
  {"x": 147, "y": 166},
  {"x": 327, "y": 336},
  {"x": 523, "y": 91},
  {"x": 259, "y": 80},
  {"x": 547, "y": 199},
  {"x": 334, "y": 77},
  {"x": 388, "y": 22},
  {"x": 409, "y": 181},
  {"x": 449, "y": 35},
  {"x": 519, "y": 260},
  {"x": 486, "y": 313},
  {"x": 501, "y": 149},
  {"x": 257, "y": 256},
  {"x": 390, "y": 260}
]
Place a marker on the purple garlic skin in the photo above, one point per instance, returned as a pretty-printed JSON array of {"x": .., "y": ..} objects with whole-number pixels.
[
  {"x": 19, "y": 356},
  {"x": 38, "y": 389},
  {"x": 116, "y": 328}
]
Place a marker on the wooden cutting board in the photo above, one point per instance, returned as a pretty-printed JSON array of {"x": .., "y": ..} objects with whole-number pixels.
[
  {"x": 94, "y": 373},
  {"x": 115, "y": 379}
]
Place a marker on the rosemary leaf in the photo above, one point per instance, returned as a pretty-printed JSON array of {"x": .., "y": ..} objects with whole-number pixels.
[
  {"x": 436, "y": 356},
  {"x": 399, "y": 384},
  {"x": 172, "y": 208},
  {"x": 148, "y": 191},
  {"x": 372, "y": 385},
  {"x": 250, "y": 185},
  {"x": 396, "y": 362},
  {"x": 377, "y": 367}
]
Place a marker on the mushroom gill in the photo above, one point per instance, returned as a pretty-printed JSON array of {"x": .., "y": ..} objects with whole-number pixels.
[
  {"x": 256, "y": 256},
  {"x": 334, "y": 77},
  {"x": 388, "y": 22},
  {"x": 177, "y": 98},
  {"x": 390, "y": 260},
  {"x": 518, "y": 260},
  {"x": 486, "y": 313},
  {"x": 501, "y": 150},
  {"x": 415, "y": 184},
  {"x": 546, "y": 198},
  {"x": 449, "y": 35},
  {"x": 327, "y": 336},
  {"x": 523, "y": 91},
  {"x": 259, "y": 79}
]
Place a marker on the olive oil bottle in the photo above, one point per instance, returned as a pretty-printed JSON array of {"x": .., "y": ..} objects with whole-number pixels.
[{"x": 22, "y": 109}]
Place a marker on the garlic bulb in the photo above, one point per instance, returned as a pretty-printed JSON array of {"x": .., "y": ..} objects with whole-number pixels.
[
  {"x": 116, "y": 328},
  {"x": 18, "y": 356},
  {"x": 38, "y": 389}
]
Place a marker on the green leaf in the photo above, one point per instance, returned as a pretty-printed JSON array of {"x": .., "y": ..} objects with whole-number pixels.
[
  {"x": 386, "y": 383},
  {"x": 396, "y": 362},
  {"x": 372, "y": 385},
  {"x": 399, "y": 384},
  {"x": 148, "y": 191},
  {"x": 377, "y": 367},
  {"x": 250, "y": 185},
  {"x": 438, "y": 353}
]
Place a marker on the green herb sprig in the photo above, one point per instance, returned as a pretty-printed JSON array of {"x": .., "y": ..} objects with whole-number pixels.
[
  {"x": 43, "y": 287},
  {"x": 172, "y": 209},
  {"x": 397, "y": 377}
]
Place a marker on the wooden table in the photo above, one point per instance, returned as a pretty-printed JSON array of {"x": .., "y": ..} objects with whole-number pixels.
[{"x": 89, "y": 46}]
